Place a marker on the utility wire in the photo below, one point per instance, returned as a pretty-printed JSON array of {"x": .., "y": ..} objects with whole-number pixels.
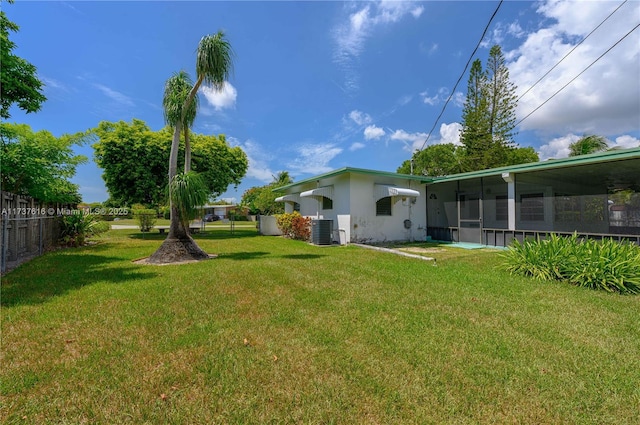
[
  {"x": 574, "y": 78},
  {"x": 486, "y": 28},
  {"x": 571, "y": 51}
]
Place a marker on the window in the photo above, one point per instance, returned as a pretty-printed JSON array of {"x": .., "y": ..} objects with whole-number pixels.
[
  {"x": 383, "y": 206},
  {"x": 532, "y": 207},
  {"x": 327, "y": 203},
  {"x": 567, "y": 208},
  {"x": 296, "y": 206},
  {"x": 502, "y": 208}
]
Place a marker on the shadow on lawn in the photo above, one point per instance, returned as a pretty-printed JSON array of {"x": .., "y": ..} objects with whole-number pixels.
[
  {"x": 249, "y": 255},
  {"x": 302, "y": 256},
  {"x": 209, "y": 234},
  {"x": 59, "y": 273}
]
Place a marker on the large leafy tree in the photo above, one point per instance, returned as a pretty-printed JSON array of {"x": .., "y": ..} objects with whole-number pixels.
[
  {"x": 135, "y": 162},
  {"x": 18, "y": 78},
  {"x": 588, "y": 144},
  {"x": 214, "y": 64},
  {"x": 435, "y": 160},
  {"x": 38, "y": 164},
  {"x": 262, "y": 199},
  {"x": 488, "y": 118}
]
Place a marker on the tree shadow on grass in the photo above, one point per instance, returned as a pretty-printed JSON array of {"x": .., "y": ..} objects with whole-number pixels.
[
  {"x": 208, "y": 234},
  {"x": 57, "y": 274},
  {"x": 246, "y": 255},
  {"x": 302, "y": 256}
]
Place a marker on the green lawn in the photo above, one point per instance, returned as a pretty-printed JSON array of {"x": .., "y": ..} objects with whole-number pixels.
[{"x": 280, "y": 331}]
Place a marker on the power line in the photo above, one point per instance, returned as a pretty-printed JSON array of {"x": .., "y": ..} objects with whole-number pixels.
[
  {"x": 486, "y": 28},
  {"x": 571, "y": 51},
  {"x": 574, "y": 78}
]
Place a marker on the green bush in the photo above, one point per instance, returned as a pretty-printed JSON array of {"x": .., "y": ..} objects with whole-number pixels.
[
  {"x": 294, "y": 226},
  {"x": 607, "y": 264},
  {"x": 77, "y": 227},
  {"x": 145, "y": 218}
]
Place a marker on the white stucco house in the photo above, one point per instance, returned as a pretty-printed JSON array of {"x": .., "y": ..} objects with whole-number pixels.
[
  {"x": 595, "y": 195},
  {"x": 363, "y": 205}
]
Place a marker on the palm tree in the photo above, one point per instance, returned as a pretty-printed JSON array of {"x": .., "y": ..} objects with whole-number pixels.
[
  {"x": 588, "y": 144},
  {"x": 214, "y": 64}
]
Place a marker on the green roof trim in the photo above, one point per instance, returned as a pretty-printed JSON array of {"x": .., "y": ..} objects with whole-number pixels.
[
  {"x": 346, "y": 170},
  {"x": 594, "y": 158}
]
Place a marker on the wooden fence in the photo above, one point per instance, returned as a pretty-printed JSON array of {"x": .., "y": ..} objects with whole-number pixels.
[{"x": 28, "y": 228}]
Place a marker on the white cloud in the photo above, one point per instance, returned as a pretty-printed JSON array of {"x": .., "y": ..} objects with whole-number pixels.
[
  {"x": 351, "y": 35},
  {"x": 360, "y": 117},
  {"x": 441, "y": 96},
  {"x": 412, "y": 141},
  {"x": 220, "y": 99},
  {"x": 603, "y": 100},
  {"x": 449, "y": 133},
  {"x": 557, "y": 148},
  {"x": 356, "y": 146},
  {"x": 314, "y": 158},
  {"x": 373, "y": 132},
  {"x": 116, "y": 96},
  {"x": 258, "y": 159},
  {"x": 625, "y": 142}
]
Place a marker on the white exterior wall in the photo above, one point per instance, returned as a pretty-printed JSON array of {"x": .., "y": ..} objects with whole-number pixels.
[
  {"x": 367, "y": 227},
  {"x": 354, "y": 209}
]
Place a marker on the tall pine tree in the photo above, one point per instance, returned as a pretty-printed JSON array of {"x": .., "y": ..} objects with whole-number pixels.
[
  {"x": 488, "y": 117},
  {"x": 502, "y": 99},
  {"x": 475, "y": 137}
]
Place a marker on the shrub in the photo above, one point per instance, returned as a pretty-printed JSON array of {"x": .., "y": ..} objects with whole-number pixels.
[
  {"x": 77, "y": 227},
  {"x": 607, "y": 265},
  {"x": 145, "y": 218},
  {"x": 294, "y": 226}
]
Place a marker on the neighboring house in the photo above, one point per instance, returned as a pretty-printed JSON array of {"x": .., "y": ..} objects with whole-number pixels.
[
  {"x": 363, "y": 205},
  {"x": 594, "y": 195},
  {"x": 222, "y": 211}
]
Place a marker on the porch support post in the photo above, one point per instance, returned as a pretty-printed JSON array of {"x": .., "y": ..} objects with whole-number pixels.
[{"x": 511, "y": 199}]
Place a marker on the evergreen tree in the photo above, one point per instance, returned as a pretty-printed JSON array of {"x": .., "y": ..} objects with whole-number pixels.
[
  {"x": 488, "y": 117},
  {"x": 502, "y": 99},
  {"x": 475, "y": 136}
]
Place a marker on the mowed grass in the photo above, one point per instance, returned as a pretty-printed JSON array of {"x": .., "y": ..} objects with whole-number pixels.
[{"x": 280, "y": 331}]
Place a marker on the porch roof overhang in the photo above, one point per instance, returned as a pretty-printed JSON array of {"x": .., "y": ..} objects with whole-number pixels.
[
  {"x": 319, "y": 192},
  {"x": 383, "y": 191},
  {"x": 550, "y": 165}
]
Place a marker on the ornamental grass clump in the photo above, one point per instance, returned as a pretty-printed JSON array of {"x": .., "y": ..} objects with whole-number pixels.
[{"x": 608, "y": 265}]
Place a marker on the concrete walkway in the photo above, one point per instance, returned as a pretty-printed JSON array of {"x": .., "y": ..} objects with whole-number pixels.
[{"x": 395, "y": 251}]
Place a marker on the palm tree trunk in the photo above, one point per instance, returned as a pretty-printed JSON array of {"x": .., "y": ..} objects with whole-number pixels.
[
  {"x": 187, "y": 151},
  {"x": 179, "y": 245}
]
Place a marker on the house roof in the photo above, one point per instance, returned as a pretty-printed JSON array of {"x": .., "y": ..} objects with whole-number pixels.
[
  {"x": 595, "y": 158},
  {"x": 346, "y": 170}
]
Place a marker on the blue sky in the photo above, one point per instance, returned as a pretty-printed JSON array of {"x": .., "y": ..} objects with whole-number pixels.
[{"x": 322, "y": 85}]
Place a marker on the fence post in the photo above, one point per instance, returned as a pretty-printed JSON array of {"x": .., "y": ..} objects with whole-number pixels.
[
  {"x": 5, "y": 240},
  {"x": 40, "y": 238}
]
